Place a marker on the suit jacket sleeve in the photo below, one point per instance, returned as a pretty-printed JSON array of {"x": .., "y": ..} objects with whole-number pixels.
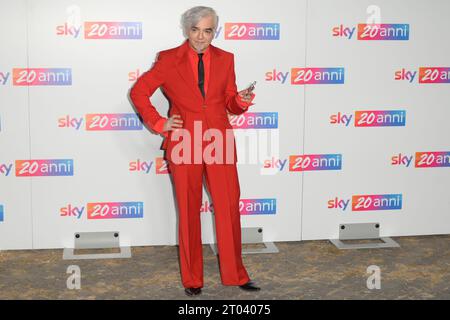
[
  {"x": 144, "y": 88},
  {"x": 231, "y": 92}
]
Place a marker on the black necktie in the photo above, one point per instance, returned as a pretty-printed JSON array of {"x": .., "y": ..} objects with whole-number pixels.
[{"x": 201, "y": 74}]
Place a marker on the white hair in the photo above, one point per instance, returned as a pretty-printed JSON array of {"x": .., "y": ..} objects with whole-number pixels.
[{"x": 192, "y": 16}]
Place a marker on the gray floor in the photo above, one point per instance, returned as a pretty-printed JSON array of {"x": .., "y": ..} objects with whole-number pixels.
[{"x": 419, "y": 269}]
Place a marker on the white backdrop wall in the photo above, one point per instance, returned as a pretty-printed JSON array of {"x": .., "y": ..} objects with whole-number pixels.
[
  {"x": 330, "y": 168},
  {"x": 370, "y": 84}
]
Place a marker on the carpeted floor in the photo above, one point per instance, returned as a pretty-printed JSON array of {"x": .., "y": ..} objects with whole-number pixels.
[{"x": 419, "y": 269}]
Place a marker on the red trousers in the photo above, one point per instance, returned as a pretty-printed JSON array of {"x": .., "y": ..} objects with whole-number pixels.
[{"x": 223, "y": 185}]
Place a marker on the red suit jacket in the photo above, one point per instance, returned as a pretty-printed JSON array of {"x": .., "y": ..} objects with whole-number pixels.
[{"x": 173, "y": 73}]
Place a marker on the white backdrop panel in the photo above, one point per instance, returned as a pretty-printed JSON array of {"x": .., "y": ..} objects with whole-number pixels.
[
  {"x": 15, "y": 193},
  {"x": 367, "y": 151}
]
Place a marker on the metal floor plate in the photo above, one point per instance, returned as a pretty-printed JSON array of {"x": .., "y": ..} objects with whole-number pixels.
[
  {"x": 68, "y": 254},
  {"x": 269, "y": 248},
  {"x": 387, "y": 243},
  {"x": 97, "y": 240}
]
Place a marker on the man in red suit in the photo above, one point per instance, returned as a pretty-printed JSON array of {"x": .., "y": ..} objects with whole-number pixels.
[{"x": 199, "y": 81}]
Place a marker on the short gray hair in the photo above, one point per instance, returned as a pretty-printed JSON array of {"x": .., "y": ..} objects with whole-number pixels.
[{"x": 192, "y": 16}]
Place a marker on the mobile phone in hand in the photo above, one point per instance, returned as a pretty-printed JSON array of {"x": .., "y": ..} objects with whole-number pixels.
[{"x": 251, "y": 87}]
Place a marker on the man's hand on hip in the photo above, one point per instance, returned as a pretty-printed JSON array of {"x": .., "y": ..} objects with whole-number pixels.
[{"x": 174, "y": 122}]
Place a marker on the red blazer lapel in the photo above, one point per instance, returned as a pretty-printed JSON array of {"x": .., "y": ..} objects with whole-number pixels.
[
  {"x": 215, "y": 68},
  {"x": 185, "y": 70}
]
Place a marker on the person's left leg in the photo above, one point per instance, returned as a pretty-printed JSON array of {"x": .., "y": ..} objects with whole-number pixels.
[
  {"x": 188, "y": 182},
  {"x": 223, "y": 184}
]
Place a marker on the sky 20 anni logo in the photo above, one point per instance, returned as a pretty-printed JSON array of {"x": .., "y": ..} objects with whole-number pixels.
[
  {"x": 109, "y": 30},
  {"x": 371, "y": 118},
  {"x": 302, "y": 76},
  {"x": 102, "y": 122},
  {"x": 431, "y": 159},
  {"x": 105, "y": 210},
  {"x": 37, "y": 77},
  {"x": 368, "y": 202},
  {"x": 427, "y": 75},
  {"x": 373, "y": 31}
]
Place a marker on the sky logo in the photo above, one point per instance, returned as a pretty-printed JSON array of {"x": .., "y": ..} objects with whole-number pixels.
[
  {"x": 67, "y": 30},
  {"x": 70, "y": 122},
  {"x": 343, "y": 32},
  {"x": 255, "y": 120},
  {"x": 113, "y": 121},
  {"x": 274, "y": 164},
  {"x": 140, "y": 166},
  {"x": 5, "y": 169},
  {"x": 162, "y": 166},
  {"x": 404, "y": 74},
  {"x": 47, "y": 167},
  {"x": 252, "y": 31},
  {"x": 313, "y": 162},
  {"x": 376, "y": 202},
  {"x": 401, "y": 160},
  {"x": 383, "y": 31},
  {"x": 1, "y": 213},
  {"x": 258, "y": 206},
  {"x": 113, "y": 30},
  {"x": 337, "y": 203},
  {"x": 277, "y": 76},
  {"x": 302, "y": 76},
  {"x": 42, "y": 76},
  {"x": 71, "y": 211},
  {"x": 432, "y": 159},
  {"x": 115, "y": 210},
  {"x": 4, "y": 76},
  {"x": 341, "y": 118},
  {"x": 380, "y": 118}
]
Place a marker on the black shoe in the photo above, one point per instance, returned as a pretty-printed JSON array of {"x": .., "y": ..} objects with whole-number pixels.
[
  {"x": 193, "y": 291},
  {"x": 250, "y": 286}
]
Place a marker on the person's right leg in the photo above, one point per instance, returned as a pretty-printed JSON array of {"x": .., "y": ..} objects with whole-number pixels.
[{"x": 187, "y": 181}]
